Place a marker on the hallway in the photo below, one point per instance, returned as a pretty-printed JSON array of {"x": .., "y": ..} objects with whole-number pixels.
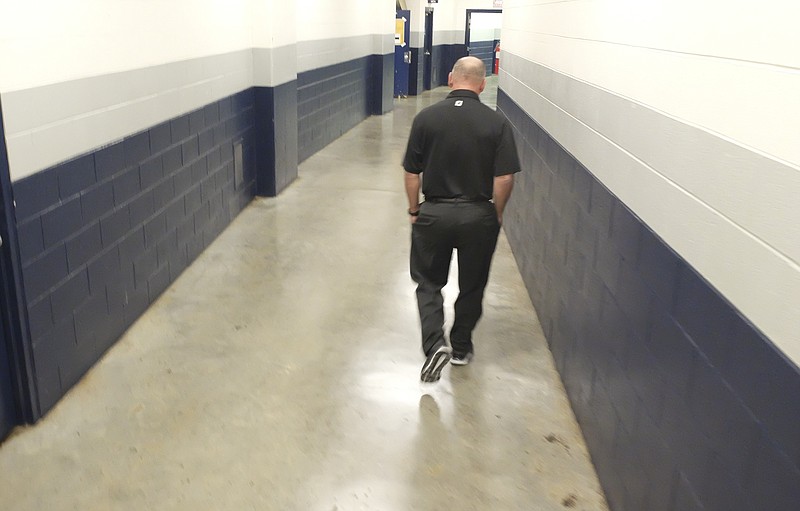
[{"x": 281, "y": 372}]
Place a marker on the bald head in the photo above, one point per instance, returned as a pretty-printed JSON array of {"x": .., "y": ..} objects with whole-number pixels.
[{"x": 468, "y": 73}]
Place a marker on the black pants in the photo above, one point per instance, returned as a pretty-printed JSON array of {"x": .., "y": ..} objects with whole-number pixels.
[{"x": 471, "y": 228}]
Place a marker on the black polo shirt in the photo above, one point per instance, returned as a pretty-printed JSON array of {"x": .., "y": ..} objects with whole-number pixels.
[{"x": 460, "y": 145}]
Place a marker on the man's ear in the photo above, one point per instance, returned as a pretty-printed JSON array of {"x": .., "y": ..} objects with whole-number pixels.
[
  {"x": 483, "y": 86},
  {"x": 450, "y": 79}
]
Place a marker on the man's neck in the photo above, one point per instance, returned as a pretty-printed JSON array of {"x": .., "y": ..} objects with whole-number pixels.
[{"x": 466, "y": 88}]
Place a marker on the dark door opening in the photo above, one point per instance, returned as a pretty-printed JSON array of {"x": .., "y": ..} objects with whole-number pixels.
[{"x": 427, "y": 61}]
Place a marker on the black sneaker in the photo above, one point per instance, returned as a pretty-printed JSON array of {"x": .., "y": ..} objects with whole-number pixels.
[
  {"x": 461, "y": 359},
  {"x": 437, "y": 359}
]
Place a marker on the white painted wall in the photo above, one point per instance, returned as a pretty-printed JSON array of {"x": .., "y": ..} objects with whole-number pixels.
[
  {"x": 81, "y": 74},
  {"x": 454, "y": 13},
  {"x": 486, "y": 26},
  {"x": 274, "y": 42},
  {"x": 729, "y": 69},
  {"x": 333, "y": 32},
  {"x": 274, "y": 24},
  {"x": 324, "y": 20},
  {"x": 52, "y": 41},
  {"x": 383, "y": 14}
]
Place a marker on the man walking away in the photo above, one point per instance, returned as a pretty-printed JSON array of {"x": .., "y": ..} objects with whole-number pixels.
[{"x": 461, "y": 153}]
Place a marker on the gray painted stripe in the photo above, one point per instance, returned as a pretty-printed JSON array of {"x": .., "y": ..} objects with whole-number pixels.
[
  {"x": 327, "y": 52},
  {"x": 274, "y": 66},
  {"x": 740, "y": 252},
  {"x": 448, "y": 37},
  {"x": 439, "y": 37},
  {"x": 417, "y": 39},
  {"x": 33, "y": 108},
  {"x": 726, "y": 176},
  {"x": 53, "y": 123}
]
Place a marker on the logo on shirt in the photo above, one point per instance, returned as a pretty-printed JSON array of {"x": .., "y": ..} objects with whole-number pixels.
[{"x": 459, "y": 102}]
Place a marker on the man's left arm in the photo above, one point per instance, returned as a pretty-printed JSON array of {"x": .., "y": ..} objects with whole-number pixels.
[{"x": 502, "y": 191}]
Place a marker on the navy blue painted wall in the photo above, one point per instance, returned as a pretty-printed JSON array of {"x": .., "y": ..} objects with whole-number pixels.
[
  {"x": 101, "y": 236},
  {"x": 276, "y": 137},
  {"x": 8, "y": 408},
  {"x": 264, "y": 143},
  {"x": 444, "y": 56},
  {"x": 684, "y": 405},
  {"x": 14, "y": 339},
  {"x": 483, "y": 50},
  {"x": 381, "y": 78},
  {"x": 333, "y": 99},
  {"x": 416, "y": 85},
  {"x": 286, "y": 133}
]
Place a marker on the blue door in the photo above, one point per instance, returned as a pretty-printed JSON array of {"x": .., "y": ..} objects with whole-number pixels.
[{"x": 402, "y": 53}]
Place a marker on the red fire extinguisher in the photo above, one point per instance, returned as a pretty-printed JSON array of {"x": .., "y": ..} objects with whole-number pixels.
[{"x": 497, "y": 59}]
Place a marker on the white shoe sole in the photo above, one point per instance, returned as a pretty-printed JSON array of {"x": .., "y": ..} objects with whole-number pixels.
[
  {"x": 436, "y": 361},
  {"x": 461, "y": 361}
]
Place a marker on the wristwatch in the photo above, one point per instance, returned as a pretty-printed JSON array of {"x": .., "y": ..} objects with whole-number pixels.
[{"x": 413, "y": 213}]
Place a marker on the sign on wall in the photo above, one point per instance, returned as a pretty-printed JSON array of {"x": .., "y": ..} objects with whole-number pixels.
[{"x": 498, "y": 3}]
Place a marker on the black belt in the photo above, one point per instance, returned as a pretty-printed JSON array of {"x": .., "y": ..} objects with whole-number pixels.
[{"x": 452, "y": 200}]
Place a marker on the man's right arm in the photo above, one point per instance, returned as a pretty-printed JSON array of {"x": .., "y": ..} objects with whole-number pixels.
[
  {"x": 502, "y": 191},
  {"x": 412, "y": 182}
]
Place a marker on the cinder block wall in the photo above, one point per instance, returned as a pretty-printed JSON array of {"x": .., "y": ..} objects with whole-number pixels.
[
  {"x": 654, "y": 229},
  {"x": 127, "y": 161},
  {"x": 103, "y": 235}
]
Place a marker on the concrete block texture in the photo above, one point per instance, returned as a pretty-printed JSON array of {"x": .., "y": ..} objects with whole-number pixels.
[
  {"x": 101, "y": 236},
  {"x": 663, "y": 369}
]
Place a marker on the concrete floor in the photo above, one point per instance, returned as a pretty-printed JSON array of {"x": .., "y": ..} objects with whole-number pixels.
[{"x": 281, "y": 372}]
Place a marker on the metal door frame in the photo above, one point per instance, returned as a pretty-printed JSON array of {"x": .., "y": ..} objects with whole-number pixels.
[{"x": 470, "y": 12}]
